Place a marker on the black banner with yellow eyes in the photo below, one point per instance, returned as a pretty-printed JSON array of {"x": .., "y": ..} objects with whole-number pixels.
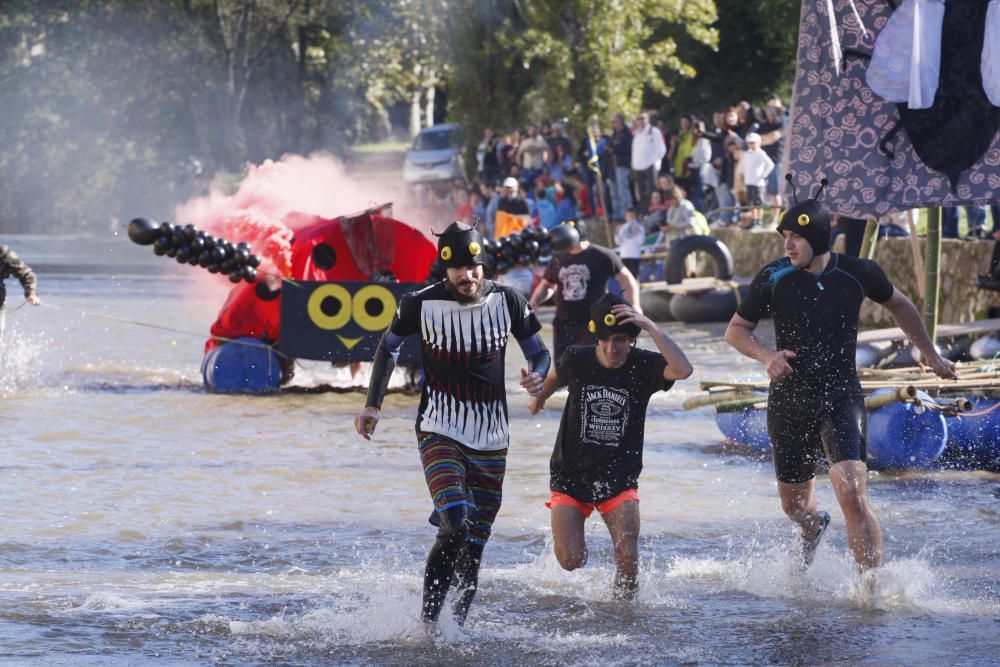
[{"x": 340, "y": 322}]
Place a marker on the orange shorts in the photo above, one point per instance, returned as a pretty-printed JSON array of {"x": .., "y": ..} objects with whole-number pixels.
[{"x": 611, "y": 504}]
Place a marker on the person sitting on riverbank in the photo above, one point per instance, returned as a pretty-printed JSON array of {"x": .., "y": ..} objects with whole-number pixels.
[
  {"x": 598, "y": 452},
  {"x": 12, "y": 265}
]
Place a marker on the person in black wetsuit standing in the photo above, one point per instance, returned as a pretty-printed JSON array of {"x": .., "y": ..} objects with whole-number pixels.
[
  {"x": 815, "y": 404},
  {"x": 464, "y": 323}
]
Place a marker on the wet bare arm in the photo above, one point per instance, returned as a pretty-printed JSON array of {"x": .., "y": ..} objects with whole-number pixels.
[
  {"x": 630, "y": 288},
  {"x": 543, "y": 292},
  {"x": 908, "y": 319},
  {"x": 678, "y": 366},
  {"x": 739, "y": 334}
]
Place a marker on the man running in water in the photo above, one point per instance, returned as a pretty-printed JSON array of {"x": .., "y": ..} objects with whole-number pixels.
[
  {"x": 815, "y": 404},
  {"x": 464, "y": 322},
  {"x": 598, "y": 453}
]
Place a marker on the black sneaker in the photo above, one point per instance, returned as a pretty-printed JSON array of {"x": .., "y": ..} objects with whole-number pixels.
[{"x": 808, "y": 545}]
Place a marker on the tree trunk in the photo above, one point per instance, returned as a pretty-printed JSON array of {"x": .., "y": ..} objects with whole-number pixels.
[{"x": 429, "y": 110}]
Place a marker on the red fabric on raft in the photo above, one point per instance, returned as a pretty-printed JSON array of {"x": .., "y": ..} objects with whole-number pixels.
[{"x": 361, "y": 244}]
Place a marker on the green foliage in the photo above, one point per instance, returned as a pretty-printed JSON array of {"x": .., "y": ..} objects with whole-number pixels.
[
  {"x": 754, "y": 59},
  {"x": 103, "y": 100}
]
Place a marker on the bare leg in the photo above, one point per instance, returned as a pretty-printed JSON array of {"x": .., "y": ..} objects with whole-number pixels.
[
  {"x": 799, "y": 504},
  {"x": 623, "y": 524},
  {"x": 864, "y": 535},
  {"x": 568, "y": 537}
]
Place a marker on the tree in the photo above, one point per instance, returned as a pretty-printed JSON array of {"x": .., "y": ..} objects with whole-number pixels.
[{"x": 604, "y": 56}]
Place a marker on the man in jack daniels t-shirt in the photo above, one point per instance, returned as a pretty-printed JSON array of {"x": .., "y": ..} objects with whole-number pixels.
[{"x": 598, "y": 453}]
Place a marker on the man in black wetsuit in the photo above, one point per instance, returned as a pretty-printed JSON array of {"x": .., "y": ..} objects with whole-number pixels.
[
  {"x": 815, "y": 405},
  {"x": 464, "y": 322}
]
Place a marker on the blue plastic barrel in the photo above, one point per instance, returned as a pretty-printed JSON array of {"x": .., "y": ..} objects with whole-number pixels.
[
  {"x": 745, "y": 427},
  {"x": 900, "y": 437},
  {"x": 243, "y": 366},
  {"x": 974, "y": 439}
]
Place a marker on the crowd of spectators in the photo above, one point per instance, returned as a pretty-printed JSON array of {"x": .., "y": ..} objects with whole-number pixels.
[
  {"x": 664, "y": 179},
  {"x": 726, "y": 172}
]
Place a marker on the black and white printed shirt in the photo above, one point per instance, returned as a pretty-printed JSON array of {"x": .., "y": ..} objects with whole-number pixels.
[{"x": 464, "y": 346}]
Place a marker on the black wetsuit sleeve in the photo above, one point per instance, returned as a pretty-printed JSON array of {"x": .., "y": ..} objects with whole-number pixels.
[
  {"x": 758, "y": 299},
  {"x": 539, "y": 359},
  {"x": 877, "y": 285},
  {"x": 384, "y": 363},
  {"x": 405, "y": 322}
]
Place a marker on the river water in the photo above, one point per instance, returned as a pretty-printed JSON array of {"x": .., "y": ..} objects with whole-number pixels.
[{"x": 144, "y": 520}]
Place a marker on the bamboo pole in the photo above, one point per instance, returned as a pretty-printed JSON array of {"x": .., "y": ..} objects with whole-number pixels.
[
  {"x": 901, "y": 394},
  {"x": 918, "y": 258},
  {"x": 932, "y": 275},
  {"x": 712, "y": 399},
  {"x": 870, "y": 239},
  {"x": 742, "y": 404}
]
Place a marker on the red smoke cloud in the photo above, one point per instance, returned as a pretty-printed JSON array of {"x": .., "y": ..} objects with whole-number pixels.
[{"x": 277, "y": 197}]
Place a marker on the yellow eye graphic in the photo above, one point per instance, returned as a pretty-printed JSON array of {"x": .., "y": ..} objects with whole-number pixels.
[
  {"x": 571, "y": 223},
  {"x": 803, "y": 220},
  {"x": 373, "y": 307},
  {"x": 474, "y": 249},
  {"x": 592, "y": 327},
  {"x": 328, "y": 314},
  {"x": 610, "y": 320},
  {"x": 446, "y": 253}
]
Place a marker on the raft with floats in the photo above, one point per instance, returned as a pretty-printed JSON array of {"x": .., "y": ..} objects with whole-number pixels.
[{"x": 915, "y": 420}]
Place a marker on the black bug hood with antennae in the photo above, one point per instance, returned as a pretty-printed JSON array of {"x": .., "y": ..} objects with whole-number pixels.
[{"x": 809, "y": 219}]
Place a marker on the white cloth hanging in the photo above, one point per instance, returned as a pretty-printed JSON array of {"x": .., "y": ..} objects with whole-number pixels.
[
  {"x": 906, "y": 64},
  {"x": 990, "y": 66}
]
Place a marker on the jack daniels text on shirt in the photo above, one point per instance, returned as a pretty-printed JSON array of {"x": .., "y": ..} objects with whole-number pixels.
[{"x": 598, "y": 452}]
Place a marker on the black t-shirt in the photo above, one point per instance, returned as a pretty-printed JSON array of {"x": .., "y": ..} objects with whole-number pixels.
[
  {"x": 463, "y": 347},
  {"x": 773, "y": 150},
  {"x": 598, "y": 452},
  {"x": 515, "y": 206},
  {"x": 582, "y": 279},
  {"x": 816, "y": 315}
]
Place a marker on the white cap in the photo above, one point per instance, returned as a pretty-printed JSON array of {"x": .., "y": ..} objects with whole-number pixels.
[
  {"x": 753, "y": 137},
  {"x": 511, "y": 182}
]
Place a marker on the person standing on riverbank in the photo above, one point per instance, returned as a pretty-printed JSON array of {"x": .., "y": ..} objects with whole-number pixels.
[
  {"x": 464, "y": 322},
  {"x": 815, "y": 404},
  {"x": 598, "y": 453}
]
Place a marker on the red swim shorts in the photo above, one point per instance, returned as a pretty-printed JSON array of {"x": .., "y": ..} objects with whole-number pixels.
[{"x": 605, "y": 506}]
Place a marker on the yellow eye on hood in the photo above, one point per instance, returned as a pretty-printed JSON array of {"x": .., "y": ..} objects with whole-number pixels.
[
  {"x": 446, "y": 253},
  {"x": 474, "y": 249},
  {"x": 803, "y": 220},
  {"x": 610, "y": 320},
  {"x": 592, "y": 327}
]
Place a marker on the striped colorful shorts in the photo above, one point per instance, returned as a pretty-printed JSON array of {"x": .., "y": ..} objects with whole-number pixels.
[{"x": 459, "y": 475}]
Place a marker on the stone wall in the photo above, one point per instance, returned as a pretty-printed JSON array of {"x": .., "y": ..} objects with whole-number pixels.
[{"x": 961, "y": 264}]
